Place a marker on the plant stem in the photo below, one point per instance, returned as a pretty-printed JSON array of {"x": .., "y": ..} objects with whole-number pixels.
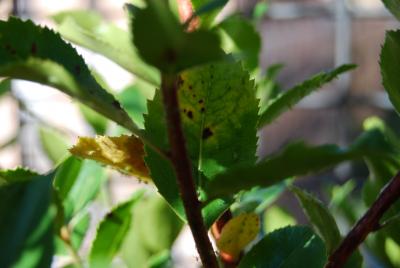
[
  {"x": 183, "y": 170},
  {"x": 367, "y": 224},
  {"x": 65, "y": 236}
]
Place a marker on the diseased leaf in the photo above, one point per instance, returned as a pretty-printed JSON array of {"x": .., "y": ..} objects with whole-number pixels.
[
  {"x": 26, "y": 223},
  {"x": 238, "y": 233},
  {"x": 295, "y": 160},
  {"x": 38, "y": 54},
  {"x": 88, "y": 29},
  {"x": 219, "y": 114},
  {"x": 289, "y": 98},
  {"x": 320, "y": 218},
  {"x": 295, "y": 246},
  {"x": 111, "y": 233},
  {"x": 124, "y": 153},
  {"x": 19, "y": 174},
  {"x": 169, "y": 47},
  {"x": 390, "y": 67},
  {"x": 393, "y": 6},
  {"x": 54, "y": 144}
]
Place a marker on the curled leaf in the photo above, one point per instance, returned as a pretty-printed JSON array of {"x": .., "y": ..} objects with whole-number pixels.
[
  {"x": 124, "y": 153},
  {"x": 238, "y": 233}
]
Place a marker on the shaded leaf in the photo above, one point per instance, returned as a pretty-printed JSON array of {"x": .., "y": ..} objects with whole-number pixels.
[
  {"x": 88, "y": 29},
  {"x": 390, "y": 67},
  {"x": 19, "y": 174},
  {"x": 295, "y": 160},
  {"x": 288, "y": 99},
  {"x": 169, "y": 47},
  {"x": 124, "y": 153},
  {"x": 111, "y": 233},
  {"x": 320, "y": 218},
  {"x": 26, "y": 223},
  {"x": 238, "y": 233},
  {"x": 295, "y": 246},
  {"x": 38, "y": 54},
  {"x": 54, "y": 144},
  {"x": 207, "y": 10}
]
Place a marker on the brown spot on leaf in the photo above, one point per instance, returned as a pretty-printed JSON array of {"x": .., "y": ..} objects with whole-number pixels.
[
  {"x": 180, "y": 81},
  {"x": 190, "y": 114},
  {"x": 201, "y": 101},
  {"x": 207, "y": 133},
  {"x": 202, "y": 109},
  {"x": 190, "y": 87}
]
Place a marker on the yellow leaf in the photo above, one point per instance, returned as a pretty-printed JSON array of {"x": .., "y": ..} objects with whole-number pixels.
[
  {"x": 124, "y": 153},
  {"x": 238, "y": 233}
]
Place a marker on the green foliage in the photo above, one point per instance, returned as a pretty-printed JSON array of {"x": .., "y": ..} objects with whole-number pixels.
[
  {"x": 111, "y": 233},
  {"x": 393, "y": 6},
  {"x": 18, "y": 174},
  {"x": 169, "y": 48},
  {"x": 295, "y": 246},
  {"x": 288, "y": 99},
  {"x": 390, "y": 61},
  {"x": 320, "y": 218},
  {"x": 296, "y": 159},
  {"x": 26, "y": 222},
  {"x": 207, "y": 10},
  {"x": 89, "y": 30},
  {"x": 38, "y": 54},
  {"x": 54, "y": 144},
  {"x": 5, "y": 86}
]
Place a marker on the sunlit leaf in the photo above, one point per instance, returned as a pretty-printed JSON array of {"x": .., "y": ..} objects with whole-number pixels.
[
  {"x": 124, "y": 153},
  {"x": 54, "y": 144},
  {"x": 111, "y": 232},
  {"x": 238, "y": 233},
  {"x": 88, "y": 29},
  {"x": 38, "y": 54},
  {"x": 19, "y": 174}
]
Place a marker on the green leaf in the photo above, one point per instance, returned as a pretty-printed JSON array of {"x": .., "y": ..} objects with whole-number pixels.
[
  {"x": 320, "y": 218},
  {"x": 19, "y": 174},
  {"x": 295, "y": 160},
  {"x": 26, "y": 223},
  {"x": 154, "y": 229},
  {"x": 295, "y": 246},
  {"x": 245, "y": 38},
  {"x": 277, "y": 217},
  {"x": 54, "y": 144},
  {"x": 5, "y": 86},
  {"x": 162, "y": 42},
  {"x": 111, "y": 233},
  {"x": 98, "y": 122},
  {"x": 76, "y": 183},
  {"x": 88, "y": 29},
  {"x": 393, "y": 6},
  {"x": 215, "y": 141},
  {"x": 161, "y": 260},
  {"x": 38, "y": 54},
  {"x": 134, "y": 99},
  {"x": 390, "y": 67},
  {"x": 289, "y": 98},
  {"x": 207, "y": 10}
]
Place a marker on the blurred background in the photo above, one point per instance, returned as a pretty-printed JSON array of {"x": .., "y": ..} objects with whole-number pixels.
[{"x": 304, "y": 36}]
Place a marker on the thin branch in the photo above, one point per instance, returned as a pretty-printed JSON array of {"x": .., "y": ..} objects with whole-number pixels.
[
  {"x": 183, "y": 170},
  {"x": 367, "y": 224},
  {"x": 65, "y": 236}
]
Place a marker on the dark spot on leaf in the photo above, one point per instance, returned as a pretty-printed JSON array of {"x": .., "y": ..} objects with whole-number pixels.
[
  {"x": 201, "y": 101},
  {"x": 184, "y": 110},
  {"x": 202, "y": 109},
  {"x": 194, "y": 95},
  {"x": 77, "y": 69},
  {"x": 180, "y": 81},
  {"x": 190, "y": 87},
  {"x": 33, "y": 48},
  {"x": 112, "y": 217},
  {"x": 207, "y": 133},
  {"x": 212, "y": 76},
  {"x": 190, "y": 114},
  {"x": 116, "y": 104}
]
